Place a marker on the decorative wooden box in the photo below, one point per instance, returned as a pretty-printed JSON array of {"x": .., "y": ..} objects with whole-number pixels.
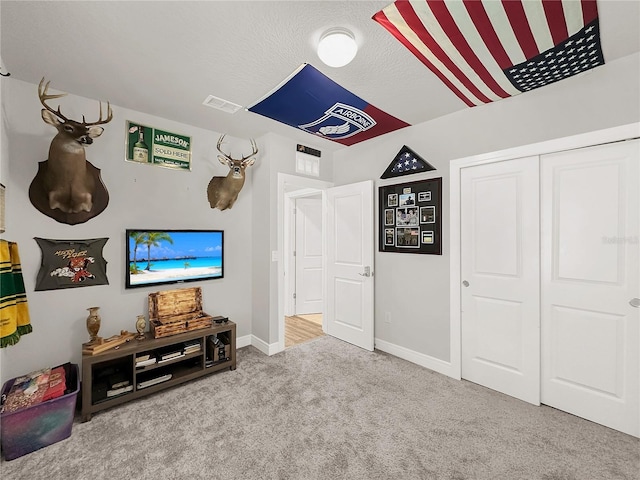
[{"x": 177, "y": 311}]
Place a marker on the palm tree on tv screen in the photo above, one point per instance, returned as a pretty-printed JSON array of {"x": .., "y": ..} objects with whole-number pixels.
[
  {"x": 138, "y": 238},
  {"x": 153, "y": 239}
]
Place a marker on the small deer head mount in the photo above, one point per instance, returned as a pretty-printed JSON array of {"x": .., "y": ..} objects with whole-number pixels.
[
  {"x": 222, "y": 192},
  {"x": 67, "y": 187}
]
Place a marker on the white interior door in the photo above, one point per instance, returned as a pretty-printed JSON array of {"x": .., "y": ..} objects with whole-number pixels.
[
  {"x": 308, "y": 256},
  {"x": 500, "y": 300},
  {"x": 590, "y": 270},
  {"x": 350, "y": 244}
]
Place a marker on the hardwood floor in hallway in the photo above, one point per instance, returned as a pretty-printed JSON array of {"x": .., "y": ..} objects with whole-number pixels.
[{"x": 299, "y": 330}]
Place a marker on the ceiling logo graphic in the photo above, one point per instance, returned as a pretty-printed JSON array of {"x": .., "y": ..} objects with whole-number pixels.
[
  {"x": 310, "y": 101},
  {"x": 340, "y": 121}
]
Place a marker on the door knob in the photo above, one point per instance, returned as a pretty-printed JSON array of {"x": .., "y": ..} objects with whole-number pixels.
[
  {"x": 367, "y": 272},
  {"x": 465, "y": 283},
  {"x": 635, "y": 302}
]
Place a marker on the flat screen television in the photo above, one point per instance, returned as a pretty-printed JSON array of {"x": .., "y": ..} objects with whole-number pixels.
[{"x": 157, "y": 257}]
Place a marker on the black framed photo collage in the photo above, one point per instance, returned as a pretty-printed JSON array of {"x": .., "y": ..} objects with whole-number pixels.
[{"x": 411, "y": 217}]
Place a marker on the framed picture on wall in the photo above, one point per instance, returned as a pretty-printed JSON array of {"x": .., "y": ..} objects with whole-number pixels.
[
  {"x": 389, "y": 216},
  {"x": 428, "y": 214},
  {"x": 414, "y": 209},
  {"x": 424, "y": 197},
  {"x": 389, "y": 236},
  {"x": 152, "y": 146},
  {"x": 407, "y": 199},
  {"x": 427, "y": 237}
]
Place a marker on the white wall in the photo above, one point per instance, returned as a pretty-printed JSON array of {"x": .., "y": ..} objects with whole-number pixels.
[
  {"x": 260, "y": 226},
  {"x": 414, "y": 289},
  {"x": 141, "y": 196}
]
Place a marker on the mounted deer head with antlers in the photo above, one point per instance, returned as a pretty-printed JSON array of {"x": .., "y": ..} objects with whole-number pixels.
[
  {"x": 222, "y": 192},
  {"x": 67, "y": 187}
]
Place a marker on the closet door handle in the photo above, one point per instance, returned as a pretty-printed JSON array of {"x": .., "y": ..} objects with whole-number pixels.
[
  {"x": 465, "y": 283},
  {"x": 635, "y": 302}
]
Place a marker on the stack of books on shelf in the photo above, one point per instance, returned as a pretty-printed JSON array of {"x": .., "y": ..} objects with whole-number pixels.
[
  {"x": 118, "y": 384},
  {"x": 165, "y": 357},
  {"x": 154, "y": 381},
  {"x": 144, "y": 360},
  {"x": 191, "y": 346}
]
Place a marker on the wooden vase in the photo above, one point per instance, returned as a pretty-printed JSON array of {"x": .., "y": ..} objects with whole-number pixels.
[{"x": 93, "y": 323}]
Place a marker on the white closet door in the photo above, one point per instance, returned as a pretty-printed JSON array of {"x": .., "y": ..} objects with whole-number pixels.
[
  {"x": 590, "y": 269},
  {"x": 308, "y": 256},
  {"x": 500, "y": 271}
]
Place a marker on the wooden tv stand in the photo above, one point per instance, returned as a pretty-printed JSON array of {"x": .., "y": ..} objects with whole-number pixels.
[{"x": 119, "y": 363}]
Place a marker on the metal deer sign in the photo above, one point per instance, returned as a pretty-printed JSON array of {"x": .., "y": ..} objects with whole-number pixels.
[
  {"x": 222, "y": 192},
  {"x": 67, "y": 187}
]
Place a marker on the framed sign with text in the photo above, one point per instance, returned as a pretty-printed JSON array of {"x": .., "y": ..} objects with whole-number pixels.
[
  {"x": 152, "y": 146},
  {"x": 411, "y": 217}
]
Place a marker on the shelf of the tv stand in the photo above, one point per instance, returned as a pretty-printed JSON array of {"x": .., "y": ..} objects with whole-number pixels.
[{"x": 182, "y": 369}]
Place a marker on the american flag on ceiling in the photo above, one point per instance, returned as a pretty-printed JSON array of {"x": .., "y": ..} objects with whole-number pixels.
[{"x": 488, "y": 50}]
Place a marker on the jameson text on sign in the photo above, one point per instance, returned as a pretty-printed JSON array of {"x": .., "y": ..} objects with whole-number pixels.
[{"x": 158, "y": 147}]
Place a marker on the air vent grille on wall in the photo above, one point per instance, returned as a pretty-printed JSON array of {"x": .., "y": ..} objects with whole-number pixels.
[{"x": 221, "y": 104}]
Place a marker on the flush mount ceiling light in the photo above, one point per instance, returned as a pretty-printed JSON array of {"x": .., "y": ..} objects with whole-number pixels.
[{"x": 337, "y": 47}]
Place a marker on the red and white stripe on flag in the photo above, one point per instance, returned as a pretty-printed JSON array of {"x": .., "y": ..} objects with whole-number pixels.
[{"x": 472, "y": 45}]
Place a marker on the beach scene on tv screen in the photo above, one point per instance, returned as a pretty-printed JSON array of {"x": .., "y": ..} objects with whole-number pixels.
[{"x": 170, "y": 256}]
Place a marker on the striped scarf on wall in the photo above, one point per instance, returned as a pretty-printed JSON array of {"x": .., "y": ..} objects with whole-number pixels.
[{"x": 14, "y": 311}]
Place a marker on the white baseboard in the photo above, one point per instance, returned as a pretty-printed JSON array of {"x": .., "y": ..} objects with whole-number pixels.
[
  {"x": 432, "y": 363},
  {"x": 243, "y": 341},
  {"x": 421, "y": 359},
  {"x": 264, "y": 347}
]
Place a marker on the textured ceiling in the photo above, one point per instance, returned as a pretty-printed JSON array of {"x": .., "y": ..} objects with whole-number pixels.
[{"x": 166, "y": 57}]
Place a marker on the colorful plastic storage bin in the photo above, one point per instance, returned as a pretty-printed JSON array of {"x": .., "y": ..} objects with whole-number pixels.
[{"x": 41, "y": 425}]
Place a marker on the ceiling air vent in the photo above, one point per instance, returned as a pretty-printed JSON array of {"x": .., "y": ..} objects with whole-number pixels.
[{"x": 221, "y": 104}]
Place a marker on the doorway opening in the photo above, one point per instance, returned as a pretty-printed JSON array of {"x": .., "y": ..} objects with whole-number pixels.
[
  {"x": 290, "y": 190},
  {"x": 305, "y": 255},
  {"x": 347, "y": 216}
]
